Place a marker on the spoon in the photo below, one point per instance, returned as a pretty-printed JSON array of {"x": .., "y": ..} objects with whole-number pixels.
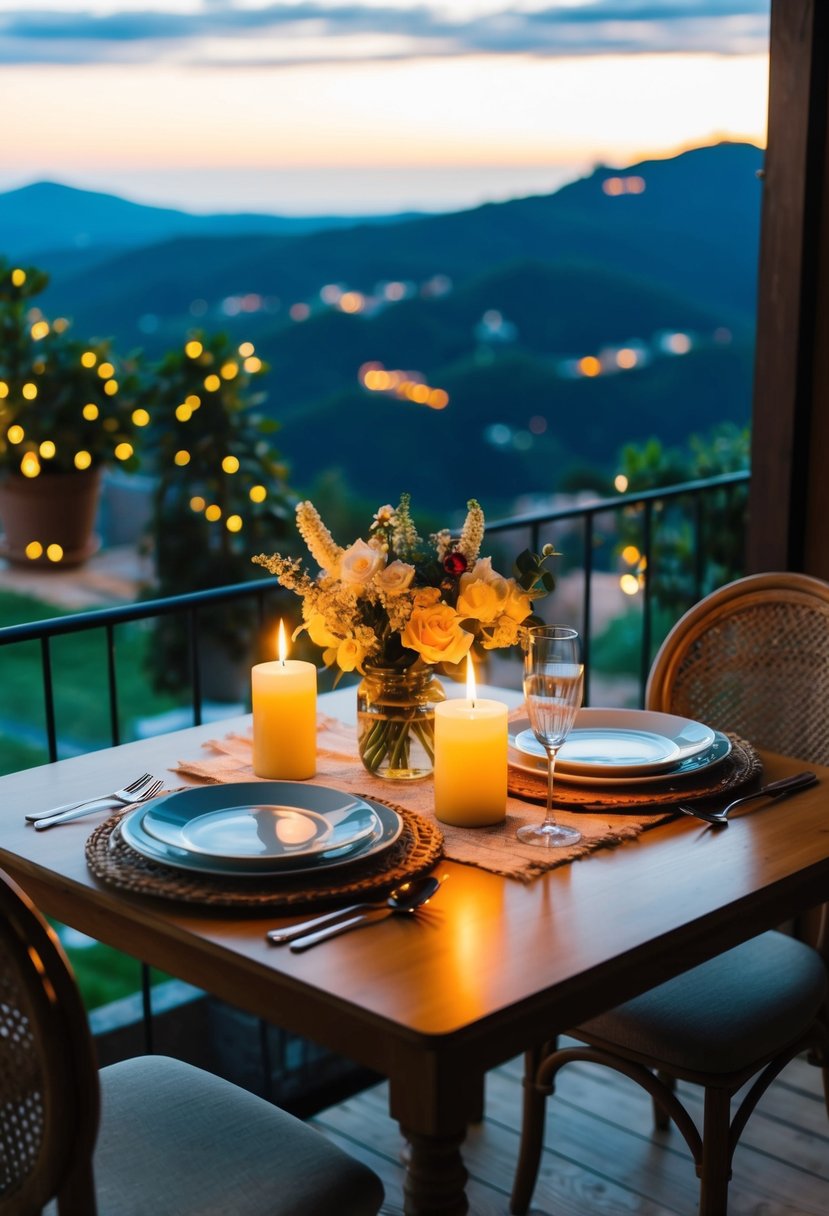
[
  {"x": 405, "y": 898},
  {"x": 777, "y": 788}
]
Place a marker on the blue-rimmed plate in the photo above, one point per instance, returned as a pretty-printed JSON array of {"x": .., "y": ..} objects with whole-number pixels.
[
  {"x": 387, "y": 828},
  {"x": 260, "y": 821},
  {"x": 621, "y": 742}
]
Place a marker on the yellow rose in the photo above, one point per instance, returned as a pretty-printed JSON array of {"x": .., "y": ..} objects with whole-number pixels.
[
  {"x": 395, "y": 578},
  {"x": 318, "y": 631},
  {"x": 483, "y": 601},
  {"x": 350, "y": 654},
  {"x": 517, "y": 607},
  {"x": 434, "y": 631},
  {"x": 359, "y": 564}
]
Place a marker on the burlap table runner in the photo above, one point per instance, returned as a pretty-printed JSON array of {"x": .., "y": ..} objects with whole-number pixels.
[{"x": 494, "y": 848}]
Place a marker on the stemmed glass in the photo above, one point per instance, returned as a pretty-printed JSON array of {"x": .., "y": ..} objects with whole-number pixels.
[{"x": 553, "y": 678}]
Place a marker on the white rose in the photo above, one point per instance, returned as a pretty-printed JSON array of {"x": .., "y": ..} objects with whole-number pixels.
[
  {"x": 359, "y": 564},
  {"x": 395, "y": 578}
]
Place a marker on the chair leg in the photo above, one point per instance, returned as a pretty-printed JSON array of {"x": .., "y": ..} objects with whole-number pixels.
[
  {"x": 714, "y": 1169},
  {"x": 532, "y": 1135},
  {"x": 661, "y": 1118}
]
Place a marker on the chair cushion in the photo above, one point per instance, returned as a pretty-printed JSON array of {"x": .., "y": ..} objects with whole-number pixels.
[
  {"x": 724, "y": 1015},
  {"x": 176, "y": 1140}
]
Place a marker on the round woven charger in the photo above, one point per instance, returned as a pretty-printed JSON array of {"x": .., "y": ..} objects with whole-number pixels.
[
  {"x": 740, "y": 766},
  {"x": 419, "y": 846}
]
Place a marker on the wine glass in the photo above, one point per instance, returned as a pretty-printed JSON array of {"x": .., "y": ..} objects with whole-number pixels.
[{"x": 553, "y": 678}]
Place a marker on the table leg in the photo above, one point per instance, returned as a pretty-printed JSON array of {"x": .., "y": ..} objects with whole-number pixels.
[{"x": 435, "y": 1176}]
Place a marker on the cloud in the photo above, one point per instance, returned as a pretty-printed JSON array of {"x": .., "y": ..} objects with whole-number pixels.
[{"x": 277, "y": 34}]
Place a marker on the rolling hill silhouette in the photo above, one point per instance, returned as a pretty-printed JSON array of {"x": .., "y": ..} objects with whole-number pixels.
[{"x": 584, "y": 271}]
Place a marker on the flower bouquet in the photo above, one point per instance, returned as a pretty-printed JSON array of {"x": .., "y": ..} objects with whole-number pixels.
[{"x": 394, "y": 608}]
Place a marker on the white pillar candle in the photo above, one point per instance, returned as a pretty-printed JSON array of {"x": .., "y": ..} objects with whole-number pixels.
[
  {"x": 470, "y": 760},
  {"x": 284, "y": 695}
]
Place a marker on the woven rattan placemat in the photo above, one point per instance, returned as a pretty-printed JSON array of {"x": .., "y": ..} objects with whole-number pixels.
[
  {"x": 740, "y": 766},
  {"x": 116, "y": 864}
]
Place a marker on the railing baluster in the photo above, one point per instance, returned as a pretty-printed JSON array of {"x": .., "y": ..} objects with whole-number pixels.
[
  {"x": 114, "y": 728},
  {"x": 587, "y": 601},
  {"x": 647, "y": 546},
  {"x": 699, "y": 559},
  {"x": 48, "y": 698},
  {"x": 195, "y": 662}
]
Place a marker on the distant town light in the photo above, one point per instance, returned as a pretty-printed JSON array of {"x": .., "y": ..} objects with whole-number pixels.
[
  {"x": 620, "y": 482},
  {"x": 252, "y": 364},
  {"x": 331, "y": 293},
  {"x": 246, "y": 350},
  {"x": 590, "y": 366},
  {"x": 394, "y": 292},
  {"x": 537, "y": 424},
  {"x": 352, "y": 301},
  {"x": 626, "y": 358},
  {"x": 629, "y": 583},
  {"x": 438, "y": 399},
  {"x": 54, "y": 553},
  {"x": 614, "y": 186},
  {"x": 677, "y": 344},
  {"x": 299, "y": 312}
]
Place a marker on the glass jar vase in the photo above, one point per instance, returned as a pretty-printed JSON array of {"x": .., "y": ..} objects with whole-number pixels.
[{"x": 396, "y": 721}]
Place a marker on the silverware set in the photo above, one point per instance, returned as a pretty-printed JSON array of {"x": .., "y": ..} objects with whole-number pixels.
[
  {"x": 776, "y": 789},
  {"x": 405, "y": 899},
  {"x": 140, "y": 790}
]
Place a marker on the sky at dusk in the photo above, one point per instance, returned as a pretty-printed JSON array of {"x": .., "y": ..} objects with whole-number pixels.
[{"x": 307, "y": 106}]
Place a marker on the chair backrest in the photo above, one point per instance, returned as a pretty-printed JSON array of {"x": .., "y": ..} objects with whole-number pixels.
[
  {"x": 49, "y": 1094},
  {"x": 753, "y": 658}
]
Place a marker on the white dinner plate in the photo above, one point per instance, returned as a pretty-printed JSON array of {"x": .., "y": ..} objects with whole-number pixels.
[
  {"x": 259, "y": 821},
  {"x": 388, "y": 828},
  {"x": 620, "y": 742},
  {"x": 715, "y": 754}
]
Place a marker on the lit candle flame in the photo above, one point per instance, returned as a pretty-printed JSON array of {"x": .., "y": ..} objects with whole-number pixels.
[
  {"x": 471, "y": 691},
  {"x": 282, "y": 645}
]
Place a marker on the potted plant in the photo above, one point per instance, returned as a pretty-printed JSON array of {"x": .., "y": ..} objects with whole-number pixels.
[
  {"x": 220, "y": 491},
  {"x": 66, "y": 410}
]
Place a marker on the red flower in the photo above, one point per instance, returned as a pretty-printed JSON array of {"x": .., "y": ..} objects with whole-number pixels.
[{"x": 454, "y": 564}]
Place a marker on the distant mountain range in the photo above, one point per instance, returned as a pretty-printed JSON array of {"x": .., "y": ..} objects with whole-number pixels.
[{"x": 495, "y": 304}]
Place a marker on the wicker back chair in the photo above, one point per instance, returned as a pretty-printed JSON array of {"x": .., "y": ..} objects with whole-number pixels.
[
  {"x": 752, "y": 658},
  {"x": 146, "y": 1135}
]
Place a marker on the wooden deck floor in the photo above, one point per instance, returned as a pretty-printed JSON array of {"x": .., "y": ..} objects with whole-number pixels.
[{"x": 602, "y": 1157}]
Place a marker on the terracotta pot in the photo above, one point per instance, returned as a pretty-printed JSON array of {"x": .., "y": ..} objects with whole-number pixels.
[{"x": 51, "y": 509}]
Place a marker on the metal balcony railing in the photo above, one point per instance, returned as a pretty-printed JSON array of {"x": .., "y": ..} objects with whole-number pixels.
[{"x": 646, "y": 511}]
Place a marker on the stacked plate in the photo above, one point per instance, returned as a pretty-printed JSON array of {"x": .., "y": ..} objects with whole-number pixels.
[
  {"x": 261, "y": 828},
  {"x": 622, "y": 747}
]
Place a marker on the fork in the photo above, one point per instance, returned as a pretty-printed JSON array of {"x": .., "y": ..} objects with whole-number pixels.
[
  {"x": 100, "y": 804},
  {"x": 786, "y": 785},
  {"x": 124, "y": 795}
]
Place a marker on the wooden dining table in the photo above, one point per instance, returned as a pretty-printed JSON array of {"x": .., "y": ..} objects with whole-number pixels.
[{"x": 432, "y": 1003}]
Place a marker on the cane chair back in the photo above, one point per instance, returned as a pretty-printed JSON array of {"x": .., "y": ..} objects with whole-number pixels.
[
  {"x": 48, "y": 1078},
  {"x": 753, "y": 658}
]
